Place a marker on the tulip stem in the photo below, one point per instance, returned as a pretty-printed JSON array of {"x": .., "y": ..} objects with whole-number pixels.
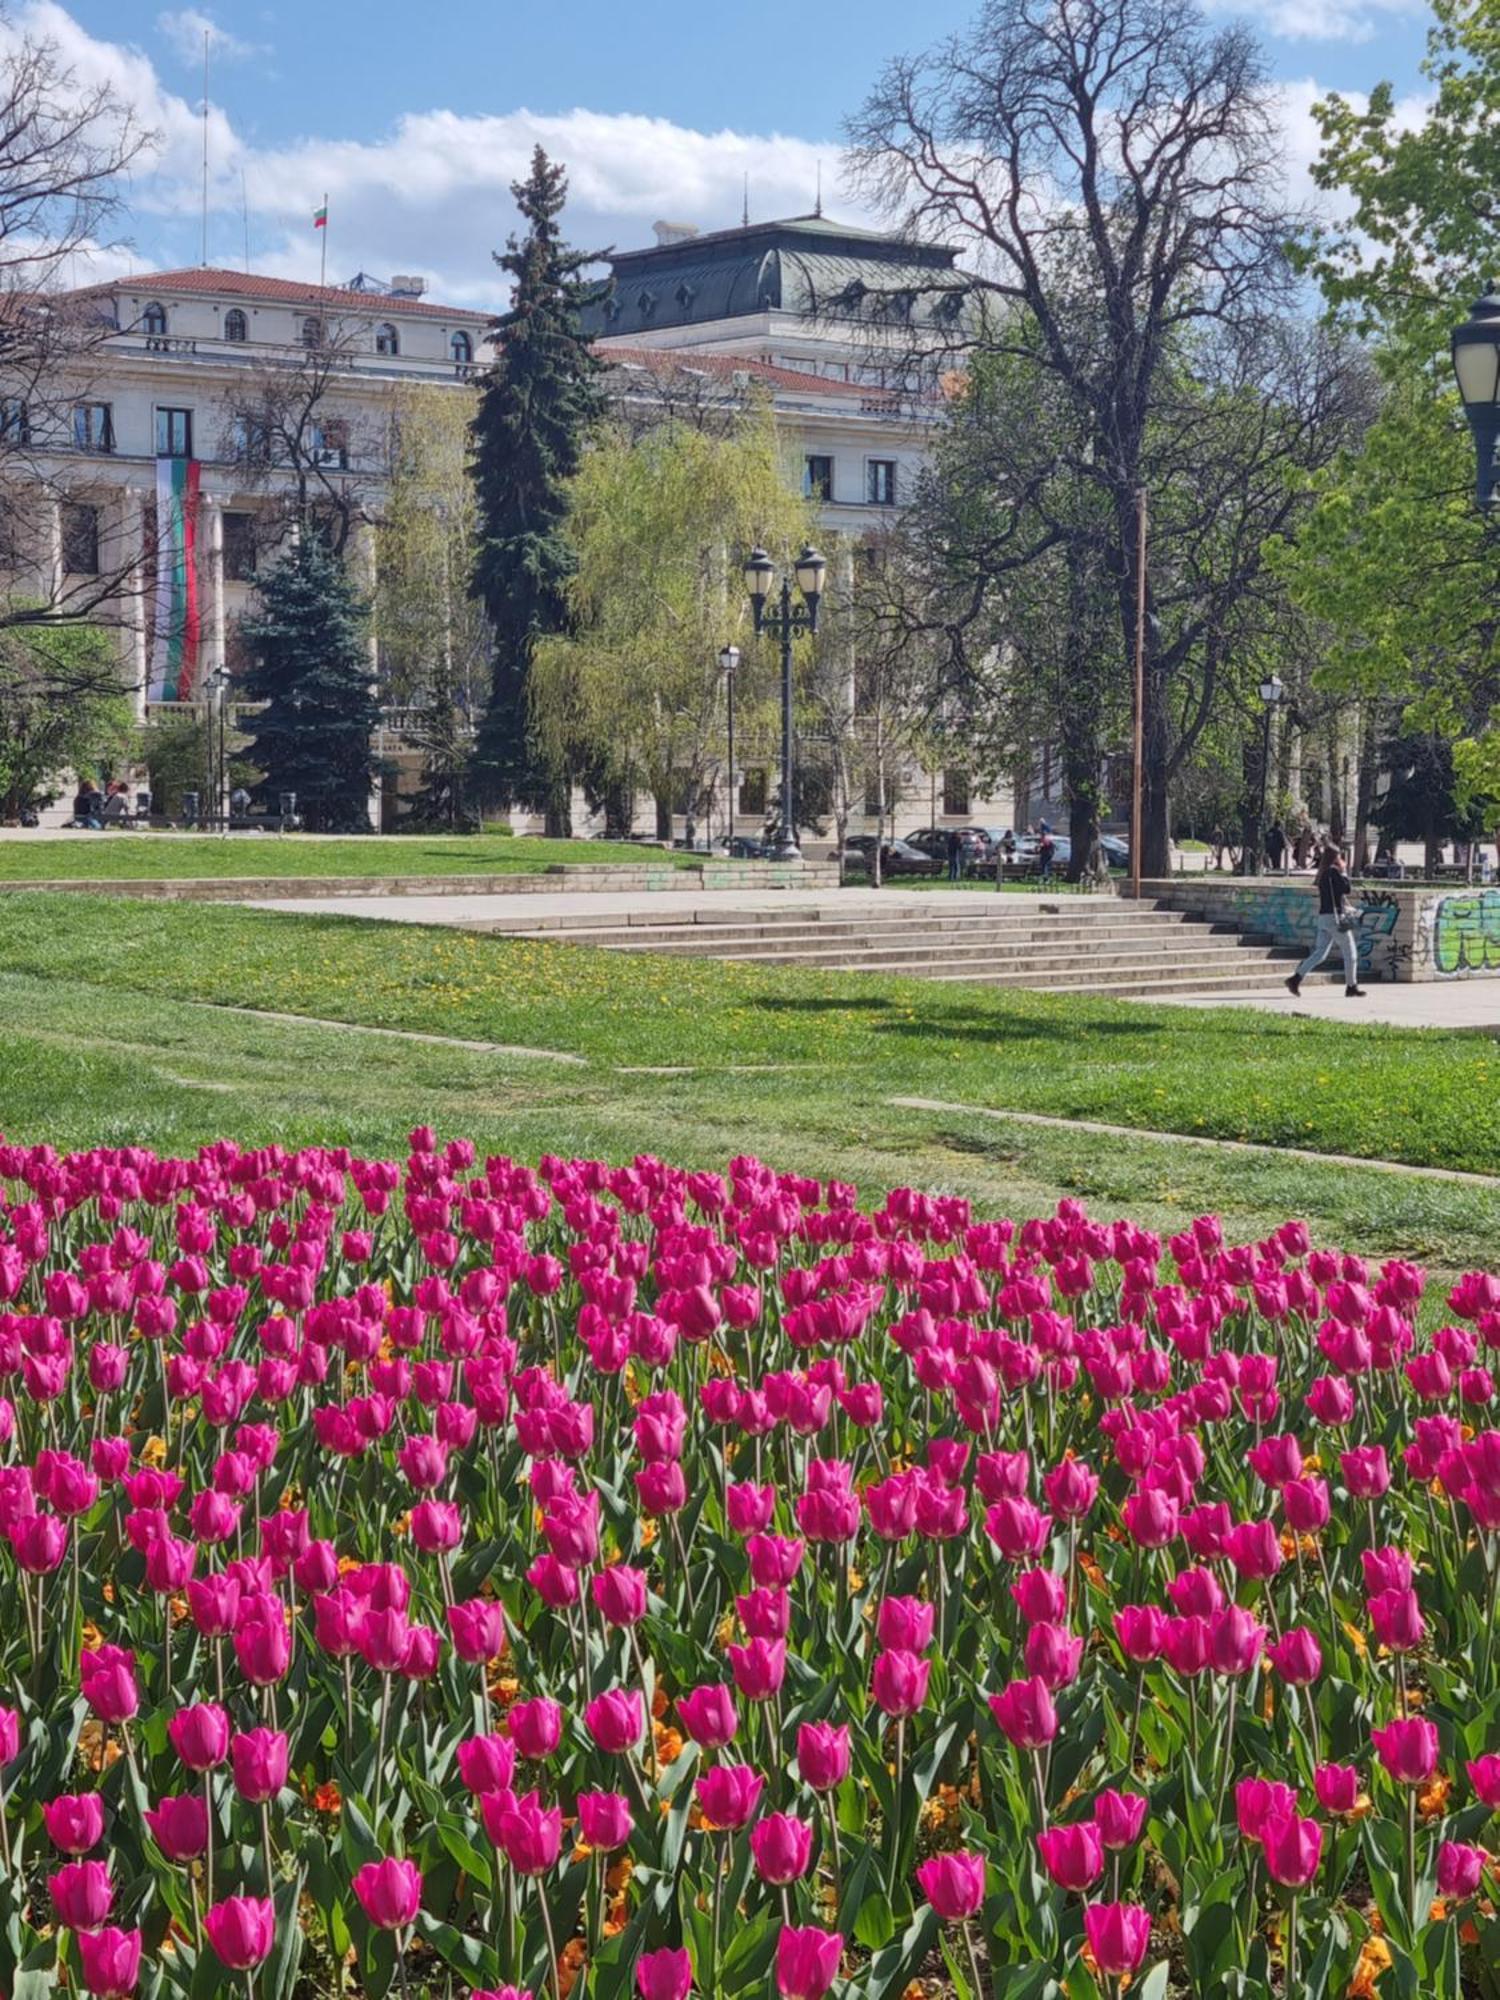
[
  {"x": 208, "y": 1827},
  {"x": 1228, "y": 1754},
  {"x": 974, "y": 1972},
  {"x": 385, "y": 1703},
  {"x": 833, "y": 1842},
  {"x": 541, "y": 1896},
  {"x": 1411, "y": 1859},
  {"x": 718, "y": 1900},
  {"x": 403, "y": 1938},
  {"x": 4, "y": 1834},
  {"x": 1135, "y": 1718},
  {"x": 265, "y": 1841},
  {"x": 1291, "y": 1950}
]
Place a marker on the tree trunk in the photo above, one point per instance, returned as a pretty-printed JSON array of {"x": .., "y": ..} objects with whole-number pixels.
[
  {"x": 663, "y": 816},
  {"x": 1364, "y": 797}
]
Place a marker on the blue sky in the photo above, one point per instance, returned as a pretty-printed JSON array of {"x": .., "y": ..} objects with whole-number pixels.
[{"x": 415, "y": 118}]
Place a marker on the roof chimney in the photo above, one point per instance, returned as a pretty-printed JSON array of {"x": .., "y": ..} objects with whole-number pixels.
[
  {"x": 674, "y": 232},
  {"x": 405, "y": 286}
]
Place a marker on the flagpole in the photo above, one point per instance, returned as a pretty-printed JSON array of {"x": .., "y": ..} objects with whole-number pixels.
[{"x": 323, "y": 266}]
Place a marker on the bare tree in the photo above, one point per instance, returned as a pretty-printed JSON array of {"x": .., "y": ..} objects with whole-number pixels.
[
  {"x": 65, "y": 146},
  {"x": 1113, "y": 170},
  {"x": 298, "y": 442}
]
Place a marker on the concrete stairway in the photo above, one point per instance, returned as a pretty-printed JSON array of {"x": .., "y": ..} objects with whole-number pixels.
[{"x": 1073, "y": 944}]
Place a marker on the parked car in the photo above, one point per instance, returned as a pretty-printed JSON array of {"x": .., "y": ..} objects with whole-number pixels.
[
  {"x": 897, "y": 857},
  {"x": 933, "y": 841},
  {"x": 746, "y": 847}
]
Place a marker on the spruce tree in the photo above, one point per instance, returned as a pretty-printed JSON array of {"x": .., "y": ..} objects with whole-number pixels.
[
  {"x": 312, "y": 670},
  {"x": 538, "y": 403}
]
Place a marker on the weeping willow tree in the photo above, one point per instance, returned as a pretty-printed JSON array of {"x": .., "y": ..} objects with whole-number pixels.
[{"x": 659, "y": 526}]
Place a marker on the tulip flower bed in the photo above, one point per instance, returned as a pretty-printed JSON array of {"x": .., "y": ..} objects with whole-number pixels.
[{"x": 445, "y": 1577}]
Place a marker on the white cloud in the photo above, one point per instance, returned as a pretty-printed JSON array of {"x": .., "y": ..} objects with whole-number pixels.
[
  {"x": 184, "y": 30},
  {"x": 1320, "y": 20}
]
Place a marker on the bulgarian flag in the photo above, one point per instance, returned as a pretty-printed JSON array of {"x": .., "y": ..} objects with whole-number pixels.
[
  {"x": 174, "y": 647},
  {"x": 320, "y": 215}
]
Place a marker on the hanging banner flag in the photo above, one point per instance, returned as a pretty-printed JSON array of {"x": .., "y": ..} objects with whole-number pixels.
[{"x": 174, "y": 647}]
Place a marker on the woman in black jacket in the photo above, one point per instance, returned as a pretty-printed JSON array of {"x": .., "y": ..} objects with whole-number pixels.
[{"x": 1336, "y": 924}]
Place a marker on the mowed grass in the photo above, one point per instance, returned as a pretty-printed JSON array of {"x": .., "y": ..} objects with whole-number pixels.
[
  {"x": 150, "y": 857},
  {"x": 781, "y": 1044}
]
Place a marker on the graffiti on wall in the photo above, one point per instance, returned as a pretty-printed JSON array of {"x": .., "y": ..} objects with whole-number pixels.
[
  {"x": 1288, "y": 913},
  {"x": 1466, "y": 934}
]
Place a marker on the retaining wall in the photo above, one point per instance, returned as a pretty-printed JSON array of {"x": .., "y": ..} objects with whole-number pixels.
[
  {"x": 1407, "y": 932},
  {"x": 565, "y": 877}
]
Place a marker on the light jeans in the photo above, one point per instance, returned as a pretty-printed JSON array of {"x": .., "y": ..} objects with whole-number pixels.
[{"x": 1326, "y": 937}]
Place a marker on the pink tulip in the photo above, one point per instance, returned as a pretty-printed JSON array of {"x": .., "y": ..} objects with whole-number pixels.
[
  {"x": 1484, "y": 1776},
  {"x": 905, "y": 1624},
  {"x": 1297, "y": 1656},
  {"x": 107, "y": 1677},
  {"x": 487, "y": 1763},
  {"x": 604, "y": 1819},
  {"x": 180, "y": 1826},
  {"x": 1460, "y": 1869},
  {"x": 954, "y": 1885},
  {"x": 1118, "y": 1934},
  {"x": 111, "y": 1961},
  {"x": 200, "y": 1735},
  {"x": 1337, "y": 1787},
  {"x": 1366, "y": 1474},
  {"x": 1259, "y": 1801},
  {"x": 1407, "y": 1749},
  {"x": 1119, "y": 1817},
  {"x": 1396, "y": 1620},
  {"x": 389, "y": 1892},
  {"x": 81, "y": 1895},
  {"x": 259, "y": 1761},
  {"x": 1025, "y": 1714},
  {"x": 807, "y": 1962},
  {"x": 477, "y": 1629},
  {"x": 616, "y": 1720},
  {"x": 241, "y": 1930},
  {"x": 664, "y": 1975},
  {"x": 708, "y": 1716},
  {"x": 74, "y": 1821},
  {"x": 1072, "y": 1855},
  {"x": 822, "y": 1754},
  {"x": 898, "y": 1682},
  {"x": 1293, "y": 1848},
  {"x": 759, "y": 1667},
  {"x": 1141, "y": 1630},
  {"x": 729, "y": 1794},
  {"x": 1053, "y": 1655},
  {"x": 1041, "y": 1597},
  {"x": 535, "y": 1727},
  {"x": 620, "y": 1593},
  {"x": 531, "y": 1835}
]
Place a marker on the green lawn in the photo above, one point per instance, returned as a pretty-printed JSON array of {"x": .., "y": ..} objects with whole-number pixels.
[
  {"x": 123, "y": 857},
  {"x": 116, "y": 1031}
]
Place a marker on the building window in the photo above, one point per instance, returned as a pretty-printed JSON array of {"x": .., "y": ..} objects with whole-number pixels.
[
  {"x": 249, "y": 441},
  {"x": 174, "y": 433},
  {"x": 753, "y": 792},
  {"x": 880, "y": 482},
  {"x": 387, "y": 340},
  {"x": 312, "y": 331},
  {"x": 955, "y": 794},
  {"x": 239, "y": 548},
  {"x": 460, "y": 347},
  {"x": 154, "y": 319},
  {"x": 80, "y": 539},
  {"x": 329, "y": 443},
  {"x": 93, "y": 427},
  {"x": 236, "y": 326},
  {"x": 15, "y": 420},
  {"x": 817, "y": 478}
]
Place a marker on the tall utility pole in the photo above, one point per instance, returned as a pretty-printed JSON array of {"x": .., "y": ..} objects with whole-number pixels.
[{"x": 1138, "y": 720}]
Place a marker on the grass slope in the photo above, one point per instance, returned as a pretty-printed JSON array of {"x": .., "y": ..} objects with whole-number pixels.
[{"x": 124, "y": 857}]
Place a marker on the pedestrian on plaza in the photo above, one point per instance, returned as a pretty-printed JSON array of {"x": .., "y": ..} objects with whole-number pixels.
[
  {"x": 116, "y": 804},
  {"x": 955, "y": 856},
  {"x": 1276, "y": 846},
  {"x": 1336, "y": 924},
  {"x": 86, "y": 804},
  {"x": 239, "y": 803},
  {"x": 1302, "y": 846},
  {"x": 1046, "y": 849}
]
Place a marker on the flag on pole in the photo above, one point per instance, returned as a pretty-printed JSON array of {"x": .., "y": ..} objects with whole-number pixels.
[
  {"x": 174, "y": 648},
  {"x": 320, "y": 215}
]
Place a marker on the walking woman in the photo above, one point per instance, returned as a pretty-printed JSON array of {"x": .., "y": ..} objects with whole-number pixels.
[{"x": 1336, "y": 924}]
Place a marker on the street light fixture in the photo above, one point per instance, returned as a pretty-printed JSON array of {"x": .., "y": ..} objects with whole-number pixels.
[
  {"x": 218, "y": 710},
  {"x": 1476, "y": 363},
  {"x": 1271, "y": 691},
  {"x": 729, "y": 660},
  {"x": 784, "y": 623}
]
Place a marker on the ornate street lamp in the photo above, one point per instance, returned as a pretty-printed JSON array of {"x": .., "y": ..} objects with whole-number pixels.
[
  {"x": 1271, "y": 691},
  {"x": 1476, "y": 363},
  {"x": 729, "y": 660},
  {"x": 784, "y": 623}
]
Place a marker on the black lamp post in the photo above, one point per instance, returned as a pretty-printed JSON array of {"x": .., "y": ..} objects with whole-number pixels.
[
  {"x": 784, "y": 623},
  {"x": 1271, "y": 691},
  {"x": 1476, "y": 363},
  {"x": 729, "y": 660},
  {"x": 218, "y": 744}
]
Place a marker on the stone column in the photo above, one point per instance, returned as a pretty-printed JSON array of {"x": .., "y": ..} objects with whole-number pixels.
[
  {"x": 369, "y": 575},
  {"x": 211, "y": 658},
  {"x": 52, "y": 555}
]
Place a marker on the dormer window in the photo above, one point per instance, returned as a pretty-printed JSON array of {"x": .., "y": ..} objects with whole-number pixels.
[
  {"x": 236, "y": 326},
  {"x": 685, "y": 296},
  {"x": 612, "y": 309},
  {"x": 646, "y": 303},
  {"x": 312, "y": 331},
  {"x": 154, "y": 319},
  {"x": 387, "y": 340},
  {"x": 461, "y": 347}
]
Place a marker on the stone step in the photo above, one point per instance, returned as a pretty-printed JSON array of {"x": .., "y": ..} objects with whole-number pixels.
[
  {"x": 1024, "y": 968},
  {"x": 724, "y": 936}
]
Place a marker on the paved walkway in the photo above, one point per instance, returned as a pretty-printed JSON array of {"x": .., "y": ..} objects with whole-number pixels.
[{"x": 1469, "y": 1006}]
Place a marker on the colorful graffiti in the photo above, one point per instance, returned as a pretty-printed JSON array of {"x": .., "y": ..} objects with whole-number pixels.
[
  {"x": 1287, "y": 912},
  {"x": 1466, "y": 934}
]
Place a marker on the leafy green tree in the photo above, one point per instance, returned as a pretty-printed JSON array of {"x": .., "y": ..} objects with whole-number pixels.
[
  {"x": 539, "y": 401},
  {"x": 312, "y": 669},
  {"x": 658, "y": 530},
  {"x": 61, "y": 708},
  {"x": 1396, "y": 558}
]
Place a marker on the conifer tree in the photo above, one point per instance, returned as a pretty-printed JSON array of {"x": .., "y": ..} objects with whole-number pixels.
[
  {"x": 537, "y": 405},
  {"x": 312, "y": 670}
]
